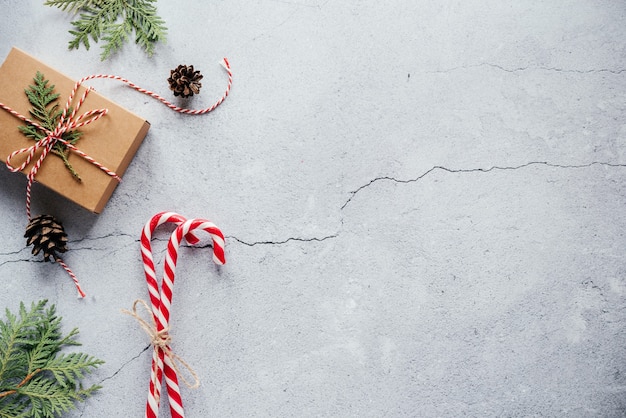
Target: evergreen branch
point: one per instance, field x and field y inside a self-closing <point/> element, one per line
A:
<point x="15" y="411"/>
<point x="45" y="399"/>
<point x="35" y="379"/>
<point x="113" y="21"/>
<point x="93" y="23"/>
<point x="83" y="30"/>
<point x="70" y="368"/>
<point x="46" y="113"/>
<point x="22" y="383"/>
<point x="46" y="346"/>
<point x="42" y="95"/>
<point x="74" y="5"/>
<point x="146" y="17"/>
<point x="117" y="34"/>
<point x="13" y="336"/>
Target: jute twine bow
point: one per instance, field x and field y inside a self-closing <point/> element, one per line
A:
<point x="71" y="122"/>
<point x="164" y="362"/>
<point x="161" y="341"/>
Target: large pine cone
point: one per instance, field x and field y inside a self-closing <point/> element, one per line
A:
<point x="184" y="81"/>
<point x="47" y="234"/>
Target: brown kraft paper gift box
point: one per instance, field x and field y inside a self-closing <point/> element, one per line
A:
<point x="112" y="140"/>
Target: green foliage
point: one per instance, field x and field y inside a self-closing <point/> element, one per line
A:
<point x="113" y="21"/>
<point x="46" y="112"/>
<point x="35" y="379"/>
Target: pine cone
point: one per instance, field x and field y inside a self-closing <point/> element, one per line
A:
<point x="184" y="81"/>
<point x="47" y="234"/>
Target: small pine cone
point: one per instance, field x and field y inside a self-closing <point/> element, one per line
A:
<point x="47" y="234"/>
<point x="184" y="81"/>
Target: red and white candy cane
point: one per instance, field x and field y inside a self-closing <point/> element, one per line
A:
<point x="163" y="360"/>
<point x="146" y="252"/>
<point x="71" y="122"/>
<point x="153" y="286"/>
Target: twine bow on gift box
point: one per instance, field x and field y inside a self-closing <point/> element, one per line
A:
<point x="69" y="123"/>
<point x="66" y="123"/>
<point x="164" y="361"/>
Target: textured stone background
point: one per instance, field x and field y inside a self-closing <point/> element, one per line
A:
<point x="423" y="203"/>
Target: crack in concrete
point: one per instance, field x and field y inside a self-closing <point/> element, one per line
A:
<point x="124" y="365"/>
<point x="82" y="411"/>
<point x="528" y="68"/>
<point x="111" y="235"/>
<point x="285" y="241"/>
<point x="473" y="170"/>
<point x="71" y="245"/>
<point x="12" y="252"/>
<point x="555" y="69"/>
<point x="19" y="260"/>
<point x="210" y="245"/>
<point x="352" y="194"/>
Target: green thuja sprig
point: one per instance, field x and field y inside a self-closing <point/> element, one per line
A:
<point x="35" y="379"/>
<point x="113" y="21"/>
<point x="46" y="112"/>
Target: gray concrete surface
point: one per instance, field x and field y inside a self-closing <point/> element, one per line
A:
<point x="423" y="203"/>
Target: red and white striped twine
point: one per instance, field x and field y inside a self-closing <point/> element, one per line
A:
<point x="161" y="300"/>
<point x="224" y="63"/>
<point x="81" y="294"/>
<point x="71" y="122"/>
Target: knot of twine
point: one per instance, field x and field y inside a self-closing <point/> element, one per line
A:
<point x="161" y="340"/>
<point x="67" y="123"/>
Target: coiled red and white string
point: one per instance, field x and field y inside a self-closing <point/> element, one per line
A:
<point x="224" y="63"/>
<point x="161" y="300"/>
<point x="71" y="122"/>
